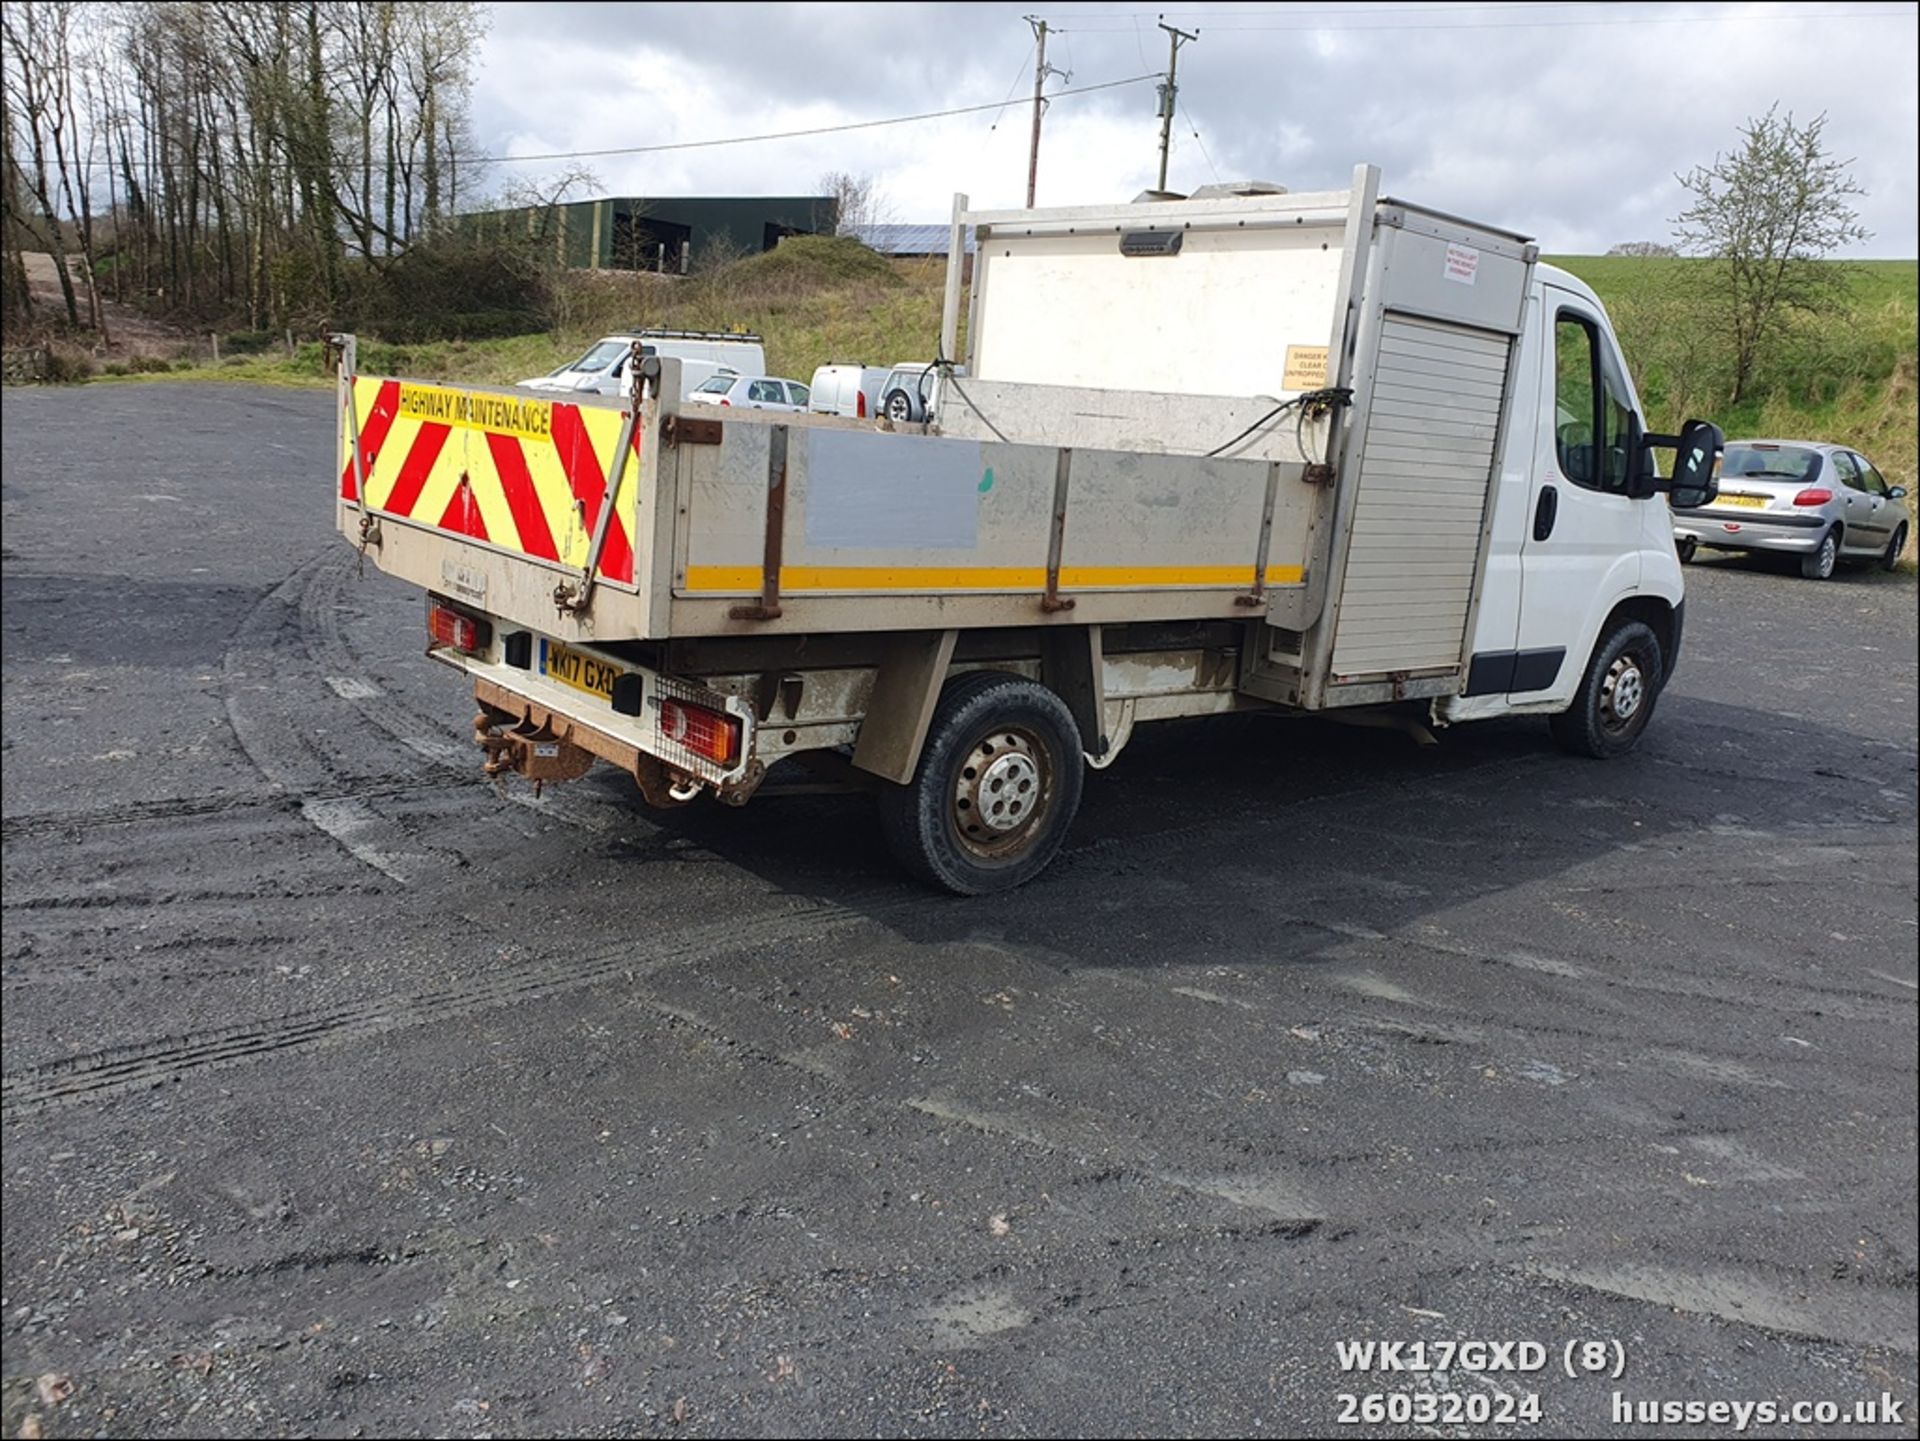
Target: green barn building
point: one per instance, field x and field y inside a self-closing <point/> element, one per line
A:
<point x="658" y="233"/>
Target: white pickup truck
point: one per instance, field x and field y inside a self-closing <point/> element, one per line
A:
<point x="1312" y="452"/>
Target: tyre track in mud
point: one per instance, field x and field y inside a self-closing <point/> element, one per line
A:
<point x="118" y="1069"/>
<point x="300" y="616"/>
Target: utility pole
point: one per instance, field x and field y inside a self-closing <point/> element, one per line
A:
<point x="1040" y="72"/>
<point x="1167" y="91"/>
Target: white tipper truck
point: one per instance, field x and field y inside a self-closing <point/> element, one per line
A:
<point x="1312" y="452"/>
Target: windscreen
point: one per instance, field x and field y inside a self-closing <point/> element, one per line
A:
<point x="603" y="354"/>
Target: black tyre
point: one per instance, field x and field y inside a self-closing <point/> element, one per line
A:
<point x="899" y="407"/>
<point x="1617" y="694"/>
<point x="1687" y="548"/>
<point x="997" y="786"/>
<point x="1890" y="557"/>
<point x="1819" y="564"/>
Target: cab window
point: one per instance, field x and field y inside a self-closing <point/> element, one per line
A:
<point x="1593" y="422"/>
<point x="1844" y="469"/>
<point x="1870" y="477"/>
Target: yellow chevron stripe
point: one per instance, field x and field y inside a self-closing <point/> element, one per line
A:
<point x="467" y="452"/>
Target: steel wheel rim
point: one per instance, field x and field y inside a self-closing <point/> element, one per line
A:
<point x="1001" y="792"/>
<point x="1623" y="694"/>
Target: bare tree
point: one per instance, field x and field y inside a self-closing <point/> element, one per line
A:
<point x="858" y="203"/>
<point x="37" y="91"/>
<point x="265" y="158"/>
<point x="1770" y="214"/>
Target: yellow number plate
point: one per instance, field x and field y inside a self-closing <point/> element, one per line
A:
<point x="1745" y="502"/>
<point x="573" y="668"/>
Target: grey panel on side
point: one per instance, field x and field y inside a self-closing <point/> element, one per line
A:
<point x="871" y="491"/>
<point x="1424" y="473"/>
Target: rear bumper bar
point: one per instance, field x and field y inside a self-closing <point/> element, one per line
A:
<point x="1753" y="530"/>
<point x="535" y="725"/>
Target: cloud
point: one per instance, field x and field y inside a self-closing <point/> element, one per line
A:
<point x="1565" y="121"/>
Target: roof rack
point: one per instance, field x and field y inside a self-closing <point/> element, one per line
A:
<point x="654" y="332"/>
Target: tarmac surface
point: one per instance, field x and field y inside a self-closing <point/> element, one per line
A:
<point x="346" y="1096"/>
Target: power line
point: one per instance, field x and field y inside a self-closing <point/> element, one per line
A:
<point x="1322" y="25"/>
<point x="1018" y="76"/>
<point x="788" y="134"/>
<point x="353" y="164"/>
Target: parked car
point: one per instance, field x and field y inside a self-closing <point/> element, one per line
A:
<point x="912" y="392"/>
<point x="1824" y="503"/>
<point x="854" y="391"/>
<point x="702" y="355"/>
<point x="751" y="392"/>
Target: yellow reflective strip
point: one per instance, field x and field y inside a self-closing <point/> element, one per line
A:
<point x="473" y="410"/>
<point x="1137" y="577"/>
<point x="1016" y="578"/>
<point x="393" y="455"/>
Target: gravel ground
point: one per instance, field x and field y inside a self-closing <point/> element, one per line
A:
<point x="345" y="1096"/>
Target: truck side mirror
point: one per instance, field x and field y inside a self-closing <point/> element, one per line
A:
<point x="1696" y="470"/>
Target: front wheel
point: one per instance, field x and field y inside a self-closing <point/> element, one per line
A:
<point x="1617" y="693"/>
<point x="1890" y="558"/>
<point x="1819" y="564"/>
<point x="997" y="786"/>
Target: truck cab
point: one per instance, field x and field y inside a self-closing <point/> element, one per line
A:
<point x="1577" y="539"/>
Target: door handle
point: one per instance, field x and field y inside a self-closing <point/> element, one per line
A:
<point x="1545" y="512"/>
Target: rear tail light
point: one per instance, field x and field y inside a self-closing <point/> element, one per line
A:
<point x="725" y="401"/>
<point x="451" y="629"/>
<point x="708" y="733"/>
<point x="859" y="405"/>
<point x="1815" y="495"/>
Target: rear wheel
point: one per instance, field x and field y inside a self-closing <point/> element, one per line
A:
<point x="1687" y="548"/>
<point x="1890" y="557"/>
<point x="997" y="786"/>
<point x="1616" y="695"/>
<point x="1819" y="564"/>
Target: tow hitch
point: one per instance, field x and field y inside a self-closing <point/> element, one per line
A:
<point x="535" y="751"/>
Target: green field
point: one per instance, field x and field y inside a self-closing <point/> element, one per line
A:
<point x="1844" y="377"/>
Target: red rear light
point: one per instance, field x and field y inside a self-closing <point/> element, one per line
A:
<point x="1815" y="495"/>
<point x="708" y="733"/>
<point x="725" y="401"/>
<point x="860" y="405"/>
<point x="450" y="628"/>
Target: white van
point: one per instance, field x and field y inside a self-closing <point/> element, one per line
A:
<point x="703" y="354"/>
<point x="853" y="391"/>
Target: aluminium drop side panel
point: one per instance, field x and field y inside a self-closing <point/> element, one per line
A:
<point x="470" y="485"/>
<point x="901" y="531"/>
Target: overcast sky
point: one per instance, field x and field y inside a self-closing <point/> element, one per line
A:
<point x="1564" y="120"/>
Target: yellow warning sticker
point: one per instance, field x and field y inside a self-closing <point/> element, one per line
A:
<point x="509" y="414"/>
<point x="1306" y="368"/>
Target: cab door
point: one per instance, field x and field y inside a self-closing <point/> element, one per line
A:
<point x="1581" y="552"/>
